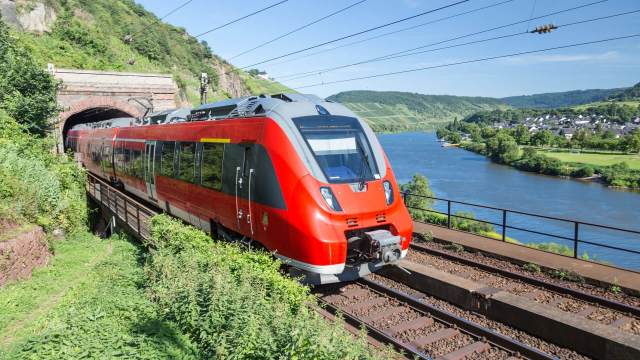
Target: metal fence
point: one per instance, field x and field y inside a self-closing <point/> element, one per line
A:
<point x="127" y="210"/>
<point x="578" y="229"/>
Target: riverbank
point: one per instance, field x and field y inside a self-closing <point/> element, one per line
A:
<point x="617" y="176"/>
<point x="466" y="176"/>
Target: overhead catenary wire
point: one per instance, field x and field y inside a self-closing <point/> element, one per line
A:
<point x="408" y="52"/>
<point x="351" y="35"/>
<point x="241" y="18"/>
<point x="470" y="61"/>
<point x="394" y="32"/>
<point x="297" y="29"/>
<point x="157" y="20"/>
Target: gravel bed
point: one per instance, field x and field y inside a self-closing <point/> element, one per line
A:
<point x="542" y="345"/>
<point x="536" y="293"/>
<point x="342" y="296"/>
<point x="506" y="265"/>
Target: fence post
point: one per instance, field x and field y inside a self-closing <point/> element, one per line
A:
<point x="448" y="214"/>
<point x="504" y="225"/>
<point x="575" y="239"/>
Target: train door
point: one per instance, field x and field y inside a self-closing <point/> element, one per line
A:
<point x="239" y="178"/>
<point x="149" y="168"/>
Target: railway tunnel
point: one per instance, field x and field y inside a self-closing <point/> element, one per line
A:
<point x="88" y="96"/>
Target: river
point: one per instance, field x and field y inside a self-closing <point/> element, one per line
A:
<point x="461" y="175"/>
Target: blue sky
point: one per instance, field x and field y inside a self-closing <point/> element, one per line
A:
<point x="608" y="65"/>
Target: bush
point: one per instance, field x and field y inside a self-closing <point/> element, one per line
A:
<point x="236" y="304"/>
<point x="582" y="172"/>
<point x="531" y="267"/>
<point x="456" y="248"/>
<point x="37" y="186"/>
<point x="419" y="200"/>
<point x="27" y="92"/>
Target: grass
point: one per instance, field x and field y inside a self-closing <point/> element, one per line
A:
<point x="89" y="303"/>
<point x="633" y="103"/>
<point x="596" y="159"/>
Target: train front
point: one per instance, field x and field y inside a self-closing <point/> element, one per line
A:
<point x="347" y="214"/>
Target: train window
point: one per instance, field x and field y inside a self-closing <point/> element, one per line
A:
<point x="340" y="147"/>
<point x="187" y="163"/>
<point x="126" y="166"/>
<point x="107" y="165"/>
<point x="211" y="168"/>
<point x="136" y="163"/>
<point x="166" y="160"/>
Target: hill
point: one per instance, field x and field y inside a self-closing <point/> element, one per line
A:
<point x="632" y="93"/>
<point x="396" y="111"/>
<point x="93" y="35"/>
<point x="560" y="99"/>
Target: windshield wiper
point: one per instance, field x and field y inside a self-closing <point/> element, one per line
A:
<point x="364" y="165"/>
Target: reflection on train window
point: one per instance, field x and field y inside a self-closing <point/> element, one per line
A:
<point x="186" y="169"/>
<point x="211" y="168"/>
<point x="136" y="163"/>
<point x="340" y="147"/>
<point x="166" y="162"/>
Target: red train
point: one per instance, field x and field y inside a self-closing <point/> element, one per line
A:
<point x="300" y="176"/>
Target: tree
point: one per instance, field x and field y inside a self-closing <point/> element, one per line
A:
<point x="521" y="134"/>
<point x="27" y="92"/>
<point x="454" y="138"/>
<point x="542" y="138"/>
<point x="632" y="142"/>
<point x="503" y="148"/>
<point x="420" y="197"/>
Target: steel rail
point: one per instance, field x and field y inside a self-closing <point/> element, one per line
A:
<point x="612" y="304"/>
<point x="410" y="352"/>
<point x="498" y="340"/>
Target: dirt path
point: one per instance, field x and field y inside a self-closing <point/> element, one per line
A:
<point x="51" y="302"/>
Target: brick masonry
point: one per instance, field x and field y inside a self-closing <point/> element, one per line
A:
<point x="22" y="254"/>
<point x="83" y="90"/>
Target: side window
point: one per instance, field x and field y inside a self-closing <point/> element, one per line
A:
<point x="211" y="168"/>
<point x="187" y="166"/>
<point x="166" y="160"/>
<point x="136" y="163"/>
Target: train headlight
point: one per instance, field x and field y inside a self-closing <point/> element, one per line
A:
<point x="388" y="192"/>
<point x="330" y="199"/>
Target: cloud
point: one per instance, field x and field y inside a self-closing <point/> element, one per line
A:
<point x="560" y="58"/>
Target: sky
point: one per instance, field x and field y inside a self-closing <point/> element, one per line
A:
<point x="605" y="65"/>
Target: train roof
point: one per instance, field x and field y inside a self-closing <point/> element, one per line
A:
<point x="278" y="105"/>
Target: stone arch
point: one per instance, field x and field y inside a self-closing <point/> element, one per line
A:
<point x="96" y="108"/>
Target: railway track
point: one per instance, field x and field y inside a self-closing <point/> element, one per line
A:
<point x="417" y="329"/>
<point x="620" y="315"/>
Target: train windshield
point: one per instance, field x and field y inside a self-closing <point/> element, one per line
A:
<point x="340" y="147"/>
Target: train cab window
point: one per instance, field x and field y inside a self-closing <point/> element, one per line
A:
<point x="340" y="147"/>
<point x="166" y="159"/>
<point x="211" y="168"/>
<point x="187" y="161"/>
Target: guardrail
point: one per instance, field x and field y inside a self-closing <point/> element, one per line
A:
<point x="575" y="225"/>
<point x="130" y="212"/>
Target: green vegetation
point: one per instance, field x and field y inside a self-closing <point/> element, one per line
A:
<point x="531" y="267"/>
<point x="91" y="35"/>
<point x="560" y="99"/>
<point x="236" y="304"/>
<point x="27" y="92"/>
<point x="613" y="111"/>
<point x="421" y="210"/>
<point x="593" y="158"/>
<point x="402" y="111"/>
<point x="36" y="186"/>
<point x="517" y="148"/>
<point x="90" y="303"/>
<point x="632" y="93"/>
